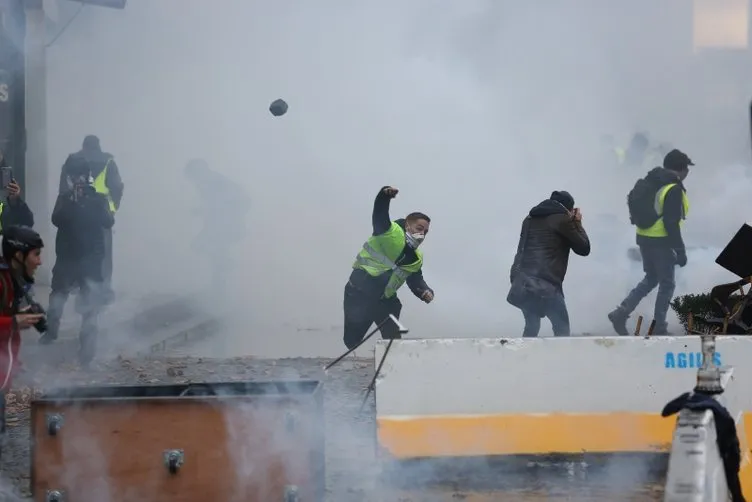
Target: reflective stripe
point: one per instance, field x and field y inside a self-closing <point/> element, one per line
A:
<point x="2" y="208"/>
<point x="398" y="274"/>
<point x="378" y="257"/>
<point x="381" y="260"/>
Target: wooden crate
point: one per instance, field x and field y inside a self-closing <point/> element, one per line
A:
<point x="219" y="442"/>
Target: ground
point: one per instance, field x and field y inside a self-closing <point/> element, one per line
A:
<point x="352" y="474"/>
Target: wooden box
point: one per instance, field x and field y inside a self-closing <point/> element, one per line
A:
<point x="218" y="442"/>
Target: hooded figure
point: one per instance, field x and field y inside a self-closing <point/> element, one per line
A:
<point x="106" y="181"/>
<point x="551" y="230"/>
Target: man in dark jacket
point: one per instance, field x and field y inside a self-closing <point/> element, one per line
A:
<point x="81" y="216"/>
<point x="14" y="211"/>
<point x="551" y="230"/>
<point x="661" y="245"/>
<point x="389" y="258"/>
<point x="106" y="181"/>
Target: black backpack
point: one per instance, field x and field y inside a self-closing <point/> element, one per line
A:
<point x="641" y="203"/>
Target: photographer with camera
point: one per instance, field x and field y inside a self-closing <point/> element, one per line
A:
<point x="13" y="210"/>
<point x="82" y="217"/>
<point x="21" y="256"/>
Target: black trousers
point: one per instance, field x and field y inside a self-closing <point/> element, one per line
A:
<point x="362" y="311"/>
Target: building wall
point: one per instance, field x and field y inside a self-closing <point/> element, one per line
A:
<point x="12" y="86"/>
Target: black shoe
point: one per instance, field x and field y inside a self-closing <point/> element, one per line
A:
<point x="618" y="320"/>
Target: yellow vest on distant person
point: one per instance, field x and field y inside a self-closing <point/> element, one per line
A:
<point x="651" y="158"/>
<point x="658" y="229"/>
<point x="100" y="185"/>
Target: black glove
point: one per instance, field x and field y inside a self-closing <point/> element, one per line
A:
<point x="681" y="256"/>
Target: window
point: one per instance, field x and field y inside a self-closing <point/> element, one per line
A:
<point x="720" y="24"/>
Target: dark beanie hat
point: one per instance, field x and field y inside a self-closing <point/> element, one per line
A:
<point x="677" y="160"/>
<point x="563" y="198"/>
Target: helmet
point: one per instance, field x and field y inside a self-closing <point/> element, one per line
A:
<point x="20" y="238"/>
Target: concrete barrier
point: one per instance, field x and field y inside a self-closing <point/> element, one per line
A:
<point x="695" y="469"/>
<point x="484" y="397"/>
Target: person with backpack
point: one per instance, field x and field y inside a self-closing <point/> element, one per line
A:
<point x="658" y="205"/>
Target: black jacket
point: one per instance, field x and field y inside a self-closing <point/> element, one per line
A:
<point x="673" y="209"/>
<point x="374" y="287"/>
<point x="16" y="211"/>
<point x="548" y="234"/>
<point x="96" y="161"/>
<point x="80" y="230"/>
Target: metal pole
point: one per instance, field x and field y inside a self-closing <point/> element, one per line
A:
<point x="372" y="385"/>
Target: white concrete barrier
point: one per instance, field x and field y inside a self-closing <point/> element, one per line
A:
<point x="467" y="397"/>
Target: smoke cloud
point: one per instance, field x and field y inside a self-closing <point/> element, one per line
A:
<point x="475" y="110"/>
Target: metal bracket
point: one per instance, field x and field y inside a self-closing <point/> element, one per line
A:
<point x="291" y="494"/>
<point x="55" y="496"/>
<point x="173" y="460"/>
<point x="55" y="422"/>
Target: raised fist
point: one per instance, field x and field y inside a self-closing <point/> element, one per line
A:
<point x="391" y="192"/>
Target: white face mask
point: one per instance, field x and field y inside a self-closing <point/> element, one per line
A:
<point x="414" y="239"/>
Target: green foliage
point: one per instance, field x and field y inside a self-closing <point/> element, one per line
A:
<point x="700" y="306"/>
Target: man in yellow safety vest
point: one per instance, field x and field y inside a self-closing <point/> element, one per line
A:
<point x="658" y="206"/>
<point x="388" y="259"/>
<point x="106" y="181"/>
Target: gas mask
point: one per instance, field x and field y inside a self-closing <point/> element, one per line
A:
<point x="414" y="239"/>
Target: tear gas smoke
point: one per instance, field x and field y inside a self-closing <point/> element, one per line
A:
<point x="475" y="110"/>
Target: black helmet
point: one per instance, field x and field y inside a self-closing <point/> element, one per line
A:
<point x="20" y="238"/>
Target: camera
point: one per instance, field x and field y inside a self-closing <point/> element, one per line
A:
<point x="35" y="308"/>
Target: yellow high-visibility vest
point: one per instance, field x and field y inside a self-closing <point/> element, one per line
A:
<point x="100" y="185"/>
<point x="379" y="254"/>
<point x="658" y="229"/>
